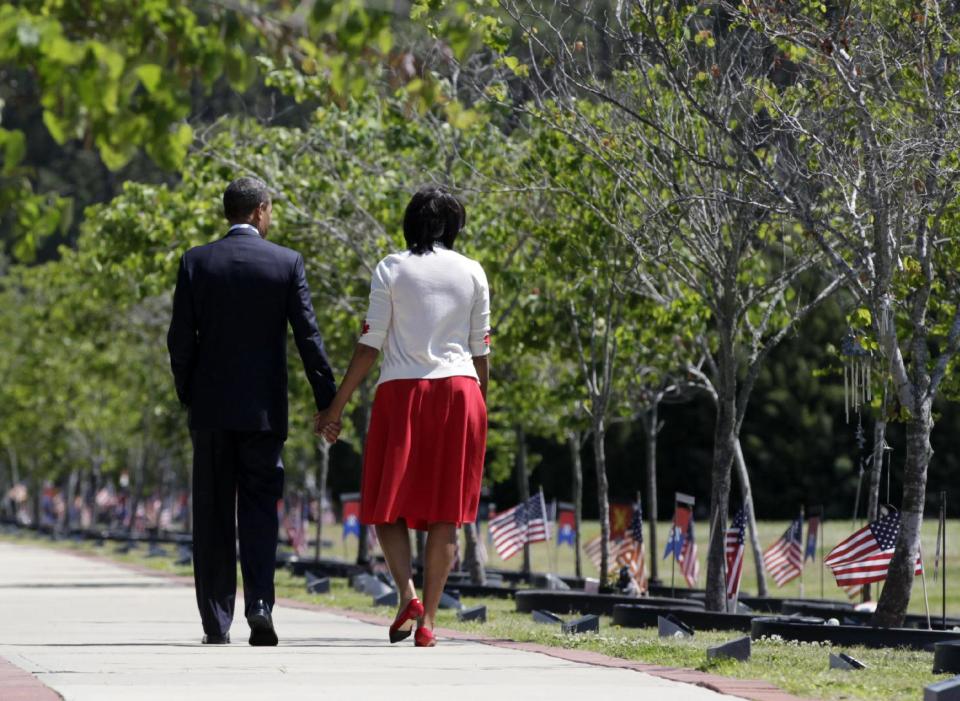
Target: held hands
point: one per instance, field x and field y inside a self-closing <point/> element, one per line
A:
<point x="327" y="424"/>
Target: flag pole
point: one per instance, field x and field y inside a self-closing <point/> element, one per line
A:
<point x="546" y="519"/>
<point x="673" y="562"/>
<point x="923" y="578"/>
<point x="943" y="557"/>
<point x="803" y="563"/>
<point x="820" y="531"/>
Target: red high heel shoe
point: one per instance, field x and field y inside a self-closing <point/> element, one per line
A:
<point x="403" y="624"/>
<point x="424" y="638"/>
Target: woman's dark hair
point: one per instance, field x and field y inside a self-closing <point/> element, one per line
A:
<point x="433" y="216"/>
<point x="242" y="196"/>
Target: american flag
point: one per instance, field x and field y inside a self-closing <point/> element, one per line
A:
<point x="734" y="550"/>
<point x="853" y="592"/>
<point x="865" y="556"/>
<point x="296" y="528"/>
<point x="689" y="564"/>
<point x="784" y="559"/>
<point x="630" y="549"/>
<point x="593" y="549"/>
<point x="813" y="537"/>
<point x="524" y="523"/>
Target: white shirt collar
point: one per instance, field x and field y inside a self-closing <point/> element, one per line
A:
<point x="245" y="227"/>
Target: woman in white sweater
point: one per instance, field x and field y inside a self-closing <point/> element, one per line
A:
<point x="423" y="462"/>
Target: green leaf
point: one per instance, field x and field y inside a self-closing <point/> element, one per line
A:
<point x="149" y="75"/>
<point x="180" y="142"/>
<point x="384" y="40"/>
<point x="14" y="149"/>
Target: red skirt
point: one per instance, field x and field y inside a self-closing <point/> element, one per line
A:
<point x="423" y="461"/>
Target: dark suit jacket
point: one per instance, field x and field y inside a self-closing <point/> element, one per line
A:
<point x="228" y="335"/>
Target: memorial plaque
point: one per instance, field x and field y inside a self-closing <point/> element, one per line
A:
<point x="671" y="627"/>
<point x="317" y="585"/>
<point x="584" y="624"/>
<point x="477" y="614"/>
<point x="738" y="649"/>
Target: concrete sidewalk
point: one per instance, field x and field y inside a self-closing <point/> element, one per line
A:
<point x="95" y="631"/>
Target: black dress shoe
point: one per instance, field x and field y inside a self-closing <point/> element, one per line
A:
<point x="216" y="639"/>
<point x="262" y="633"/>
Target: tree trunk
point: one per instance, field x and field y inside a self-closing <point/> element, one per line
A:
<point x="523" y="487"/>
<point x="876" y="466"/>
<point x="471" y="554"/>
<point x="652" y="429"/>
<point x="136" y="490"/>
<point x="747" y="494"/>
<point x="323" y="471"/>
<point x="892" y="607"/>
<point x="603" y="502"/>
<point x="72" y="481"/>
<point x="573" y="442"/>
<point x="724" y="449"/>
<point x="36" y="487"/>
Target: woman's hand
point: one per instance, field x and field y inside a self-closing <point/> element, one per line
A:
<point x="327" y="424"/>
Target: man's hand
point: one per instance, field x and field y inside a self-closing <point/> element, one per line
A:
<point x="327" y="424"/>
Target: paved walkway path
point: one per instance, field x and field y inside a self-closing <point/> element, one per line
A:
<point x="95" y="631"/>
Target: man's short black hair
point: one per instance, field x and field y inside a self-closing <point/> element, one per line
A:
<point x="433" y="216"/>
<point x="242" y="196"/>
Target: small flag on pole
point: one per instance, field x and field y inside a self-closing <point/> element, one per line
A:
<point x="566" y="524"/>
<point x="813" y="538"/>
<point x="689" y="564"/>
<point x="784" y="559"/>
<point x="682" y="543"/>
<point x="351" y="514"/>
<point x="524" y="523"/>
<point x="629" y="552"/>
<point x="734" y="546"/>
<point x="681" y="518"/>
<point x="295" y="527"/>
<point x="864" y="557"/>
<point x="620" y="515"/>
<point x="592" y="549"/>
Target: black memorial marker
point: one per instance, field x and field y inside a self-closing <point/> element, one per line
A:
<point x="359" y="582"/>
<point x="946" y="658"/>
<point x="449" y="601"/>
<point x="473" y="613"/>
<point x="184" y="556"/>
<point x="317" y="585"/>
<point x="388" y="598"/>
<point x="947" y="690"/>
<point x="584" y="624"/>
<point x="545" y="617"/>
<point x="738" y="649"/>
<point x="845" y="662"/>
<point x="670" y="626"/>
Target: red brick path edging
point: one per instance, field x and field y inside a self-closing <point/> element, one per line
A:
<point x="19" y="685"/>
<point x="751" y="689"/>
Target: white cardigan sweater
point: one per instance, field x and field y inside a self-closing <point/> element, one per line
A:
<point x="429" y="313"/>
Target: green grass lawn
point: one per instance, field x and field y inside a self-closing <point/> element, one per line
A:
<point x="798" y="669"/>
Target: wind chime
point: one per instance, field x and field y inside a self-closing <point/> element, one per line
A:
<point x="857" y="374"/>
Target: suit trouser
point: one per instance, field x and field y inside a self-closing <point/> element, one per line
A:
<point x="237" y="480"/>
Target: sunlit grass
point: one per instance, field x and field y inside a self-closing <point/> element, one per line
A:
<point x="898" y="675"/>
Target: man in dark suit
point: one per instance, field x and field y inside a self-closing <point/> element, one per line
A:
<point x="227" y="344"/>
